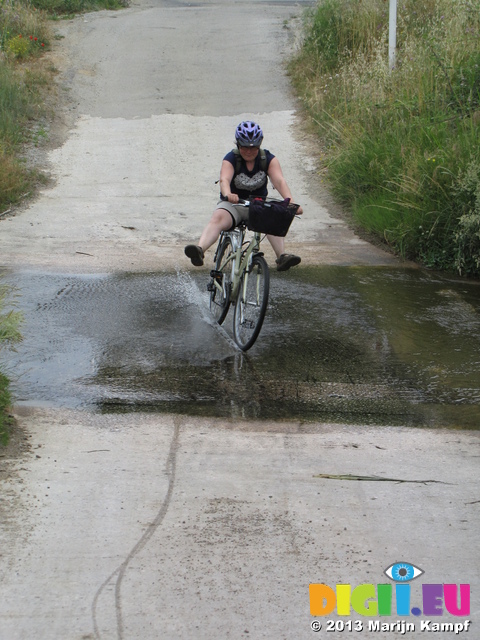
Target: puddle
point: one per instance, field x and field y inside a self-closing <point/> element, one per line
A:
<point x="348" y="345"/>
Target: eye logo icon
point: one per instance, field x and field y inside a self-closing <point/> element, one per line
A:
<point x="437" y="599"/>
<point x="403" y="572"/>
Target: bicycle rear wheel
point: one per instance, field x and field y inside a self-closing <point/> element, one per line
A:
<point x="251" y="304"/>
<point x="221" y="282"/>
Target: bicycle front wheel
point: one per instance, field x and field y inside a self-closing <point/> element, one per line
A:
<point x="222" y="282"/>
<point x="251" y="304"/>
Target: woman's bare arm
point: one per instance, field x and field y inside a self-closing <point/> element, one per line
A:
<point x="276" y="176"/>
<point x="226" y="175"/>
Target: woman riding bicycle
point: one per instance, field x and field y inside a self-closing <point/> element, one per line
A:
<point x="244" y="173"/>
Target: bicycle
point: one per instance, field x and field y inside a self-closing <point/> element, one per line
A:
<point x="242" y="278"/>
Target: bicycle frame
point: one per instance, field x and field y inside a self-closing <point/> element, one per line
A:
<point x="240" y="277"/>
<point x="240" y="258"/>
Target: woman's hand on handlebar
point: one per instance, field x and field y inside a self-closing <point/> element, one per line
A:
<point x="233" y="198"/>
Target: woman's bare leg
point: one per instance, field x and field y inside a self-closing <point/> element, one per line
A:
<point x="284" y="261"/>
<point x="221" y="220"/>
<point x="278" y="244"/>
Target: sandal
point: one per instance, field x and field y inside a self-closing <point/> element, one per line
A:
<point x="195" y="253"/>
<point x="287" y="260"/>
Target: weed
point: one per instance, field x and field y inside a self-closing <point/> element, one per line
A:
<point x="5" y="419"/>
<point x="396" y="144"/>
<point x="18" y="47"/>
<point x="10" y="322"/>
<point x="14" y="180"/>
<point x="74" y="7"/>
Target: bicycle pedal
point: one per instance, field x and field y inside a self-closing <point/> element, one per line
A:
<point x="216" y="275"/>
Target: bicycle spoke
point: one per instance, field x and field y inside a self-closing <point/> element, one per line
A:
<point x="220" y="284"/>
<point x="252" y="303"/>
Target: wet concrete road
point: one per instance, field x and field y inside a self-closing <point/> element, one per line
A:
<point x="367" y="345"/>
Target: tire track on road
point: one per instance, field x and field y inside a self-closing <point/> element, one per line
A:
<point x="121" y="570"/>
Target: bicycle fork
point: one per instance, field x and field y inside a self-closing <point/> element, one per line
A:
<point x="218" y="281"/>
<point x="243" y="297"/>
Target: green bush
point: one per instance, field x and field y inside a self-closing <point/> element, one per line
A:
<point x="467" y="234"/>
<point x="397" y="143"/>
<point x="18" y="46"/>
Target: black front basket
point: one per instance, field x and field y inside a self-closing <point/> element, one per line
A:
<point x="272" y="216"/>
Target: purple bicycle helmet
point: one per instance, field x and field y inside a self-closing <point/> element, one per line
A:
<point x="248" y="134"/>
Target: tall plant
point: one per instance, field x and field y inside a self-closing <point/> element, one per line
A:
<point x="396" y="144"/>
<point x="10" y="322"/>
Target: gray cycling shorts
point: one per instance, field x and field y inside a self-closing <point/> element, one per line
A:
<point x="238" y="212"/>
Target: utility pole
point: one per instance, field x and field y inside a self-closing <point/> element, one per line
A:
<point x="392" y="34"/>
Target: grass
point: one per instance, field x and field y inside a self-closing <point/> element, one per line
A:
<point x="6" y="420"/>
<point x="10" y="322"/>
<point x="400" y="148"/>
<point x="24" y="34"/>
<point x="58" y="8"/>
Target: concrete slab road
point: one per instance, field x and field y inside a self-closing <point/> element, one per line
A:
<point x="146" y="526"/>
